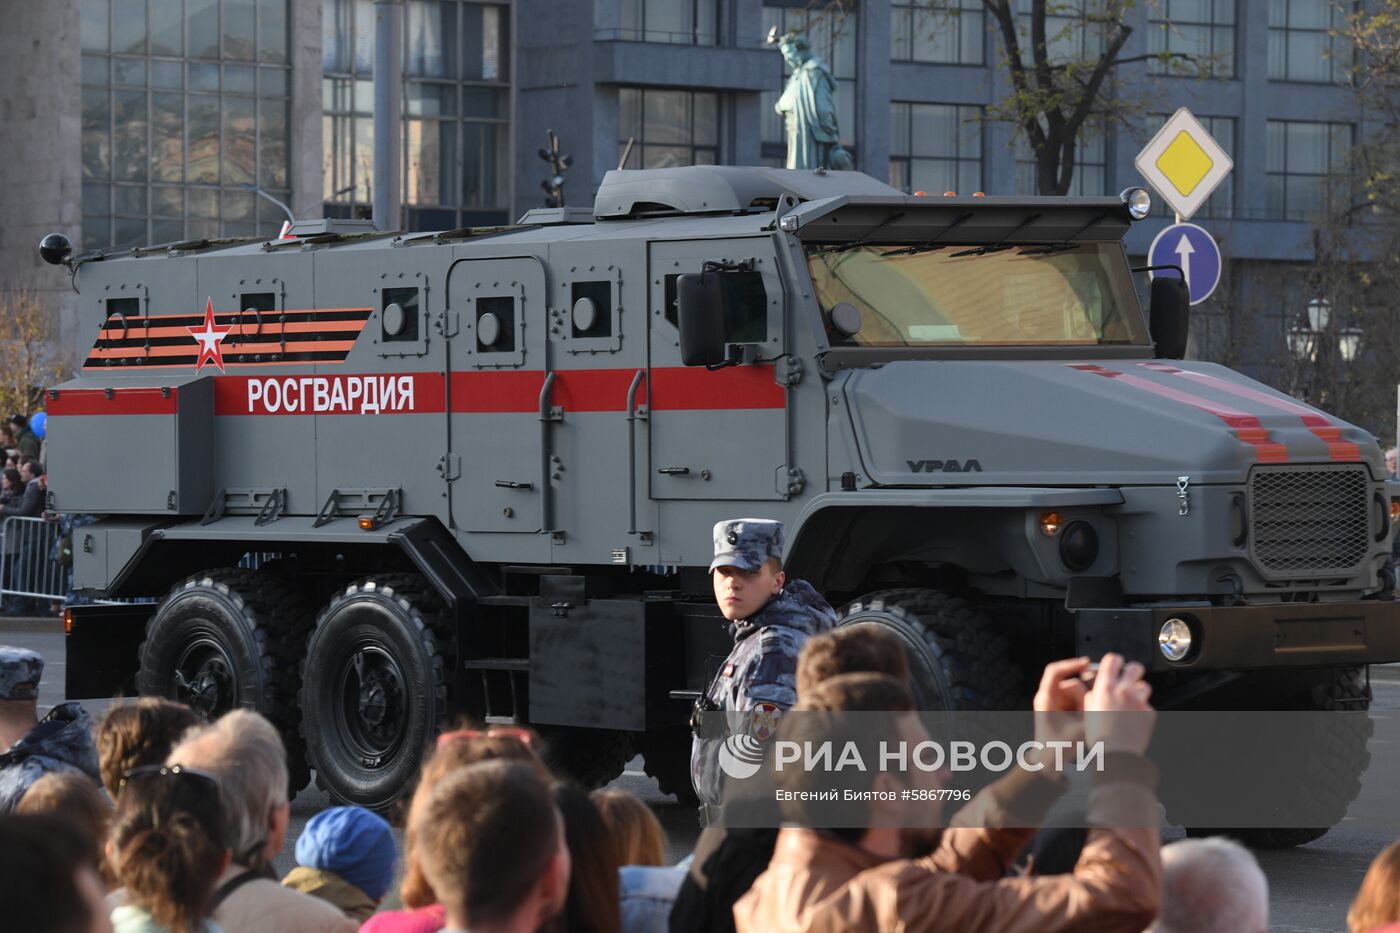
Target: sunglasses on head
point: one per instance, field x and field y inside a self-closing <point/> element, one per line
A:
<point x="522" y="736"/>
<point x="175" y="771"/>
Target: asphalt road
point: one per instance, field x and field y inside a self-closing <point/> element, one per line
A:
<point x="1310" y="887"/>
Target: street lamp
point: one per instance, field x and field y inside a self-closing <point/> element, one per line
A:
<point x="1349" y="343"/>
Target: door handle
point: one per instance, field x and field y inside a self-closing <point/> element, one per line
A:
<point x="674" y="471"/>
<point x="510" y="484"/>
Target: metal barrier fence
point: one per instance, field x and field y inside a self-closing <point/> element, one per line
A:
<point x="30" y="567"/>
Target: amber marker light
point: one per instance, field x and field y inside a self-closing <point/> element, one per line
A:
<point x="1394" y="511"/>
<point x="68" y="621"/>
<point x="1051" y="523"/>
<point x="366" y="522"/>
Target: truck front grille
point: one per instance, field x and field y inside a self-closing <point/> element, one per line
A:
<point x="1309" y="521"/>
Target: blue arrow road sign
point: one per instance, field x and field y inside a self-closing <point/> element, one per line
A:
<point x="1194" y="250"/>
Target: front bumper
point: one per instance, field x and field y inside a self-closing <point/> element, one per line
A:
<point x="1249" y="637"/>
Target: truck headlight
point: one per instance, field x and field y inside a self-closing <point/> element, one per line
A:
<point x="1138" y="202"/>
<point x="1079" y="546"/>
<point x="1174" y="639"/>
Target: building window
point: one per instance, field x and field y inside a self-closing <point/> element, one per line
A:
<point x="1090" y="164"/>
<point x="1204" y="30"/>
<point x="947" y="34"/>
<point x="456" y="111"/>
<point x="667" y="128"/>
<point x="935" y="148"/>
<point x="1303" y="45"/>
<point x="1303" y="162"/>
<point x="184" y="113"/>
<point x="1075" y="30"/>
<point x="833" y="32"/>
<point x="678" y="22"/>
<point x="1221" y="203"/>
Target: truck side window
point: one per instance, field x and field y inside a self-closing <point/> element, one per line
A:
<point x="503" y="307"/>
<point x="257" y="301"/>
<point x="406" y="298"/>
<point x="600" y="293"/>
<point x="746" y="307"/>
<point x="672" y="311"/>
<point x="126" y="307"/>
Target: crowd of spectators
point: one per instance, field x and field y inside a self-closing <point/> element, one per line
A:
<point x="180" y="832"/>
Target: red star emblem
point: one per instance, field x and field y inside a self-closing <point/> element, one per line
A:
<point x="209" y="337"/>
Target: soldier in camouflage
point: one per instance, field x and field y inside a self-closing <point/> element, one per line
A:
<point x="59" y="743"/>
<point x="770" y="618"/>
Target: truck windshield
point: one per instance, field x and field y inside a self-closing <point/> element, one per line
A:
<point x="911" y="297"/>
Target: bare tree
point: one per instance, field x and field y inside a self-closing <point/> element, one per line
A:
<point x="1061" y="56"/>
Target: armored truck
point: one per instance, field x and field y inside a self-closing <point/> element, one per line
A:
<point x="378" y="481"/>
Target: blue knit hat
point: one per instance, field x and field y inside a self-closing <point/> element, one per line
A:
<point x="355" y="844"/>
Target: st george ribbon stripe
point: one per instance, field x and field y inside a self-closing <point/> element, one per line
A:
<point x="1246" y="426"/>
<point x="1317" y="423"/>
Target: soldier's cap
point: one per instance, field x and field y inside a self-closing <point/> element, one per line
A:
<point x="747" y="543"/>
<point x="20" y="672"/>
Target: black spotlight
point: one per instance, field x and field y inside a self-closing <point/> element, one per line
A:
<point x="55" y="249"/>
<point x="1079" y="546"/>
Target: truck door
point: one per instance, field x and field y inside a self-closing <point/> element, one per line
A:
<point x="720" y="434"/>
<point x="497" y="470"/>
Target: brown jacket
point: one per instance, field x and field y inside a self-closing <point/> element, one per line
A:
<point x="817" y="883"/>
<point x="266" y="906"/>
<point x="332" y="889"/>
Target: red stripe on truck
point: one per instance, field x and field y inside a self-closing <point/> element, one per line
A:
<point x="118" y="402"/>
<point x="1246" y="426"/>
<point x="1317" y="423"/>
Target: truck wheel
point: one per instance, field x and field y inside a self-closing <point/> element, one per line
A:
<point x="592" y="757"/>
<point x="957" y="659"/>
<point x="228" y="639"/>
<point x="666" y="757"/>
<point x="1331" y="779"/>
<point x="374" y="688"/>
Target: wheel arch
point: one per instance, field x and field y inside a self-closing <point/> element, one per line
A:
<point x="841" y="540"/>
<point x="168" y="553"/>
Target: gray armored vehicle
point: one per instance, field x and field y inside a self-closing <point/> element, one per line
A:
<point x="476" y="470"/>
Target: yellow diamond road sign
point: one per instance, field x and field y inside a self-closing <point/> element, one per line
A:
<point x="1183" y="163"/>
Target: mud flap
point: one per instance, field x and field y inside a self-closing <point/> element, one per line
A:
<point x="102" y="648"/>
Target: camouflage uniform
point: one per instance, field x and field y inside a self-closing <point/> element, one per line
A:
<point x="60" y="742"/>
<point x="762" y="667"/>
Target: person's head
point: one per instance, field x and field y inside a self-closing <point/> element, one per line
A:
<point x="848" y="650"/>
<point x="747" y="567"/>
<point x="453" y="751"/>
<point x="77" y="800"/>
<point x="20" y="673"/>
<point x="30" y="469"/>
<point x="1378" y="901"/>
<point x="592" y="903"/>
<point x="1392" y="461"/>
<point x="17" y="424"/>
<point x="796" y="48"/>
<point x="636" y="832"/>
<point x="244" y="753"/>
<point x="873" y="712"/>
<point x="10" y="480"/>
<point x="492" y="845"/>
<point x="353" y="843"/>
<point x="139" y="733"/>
<point x="167" y="842"/>
<point x="1212" y="886"/>
<point x="47" y="882"/>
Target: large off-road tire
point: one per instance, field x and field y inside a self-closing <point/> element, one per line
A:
<point x="666" y="758"/>
<point x="592" y="757"/>
<point x="228" y="639"/>
<point x="374" y="688"/>
<point x="958" y="660"/>
<point x="1329" y="772"/>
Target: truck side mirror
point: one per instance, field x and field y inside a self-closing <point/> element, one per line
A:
<point x="1170" y="317"/>
<point x="700" y="310"/>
